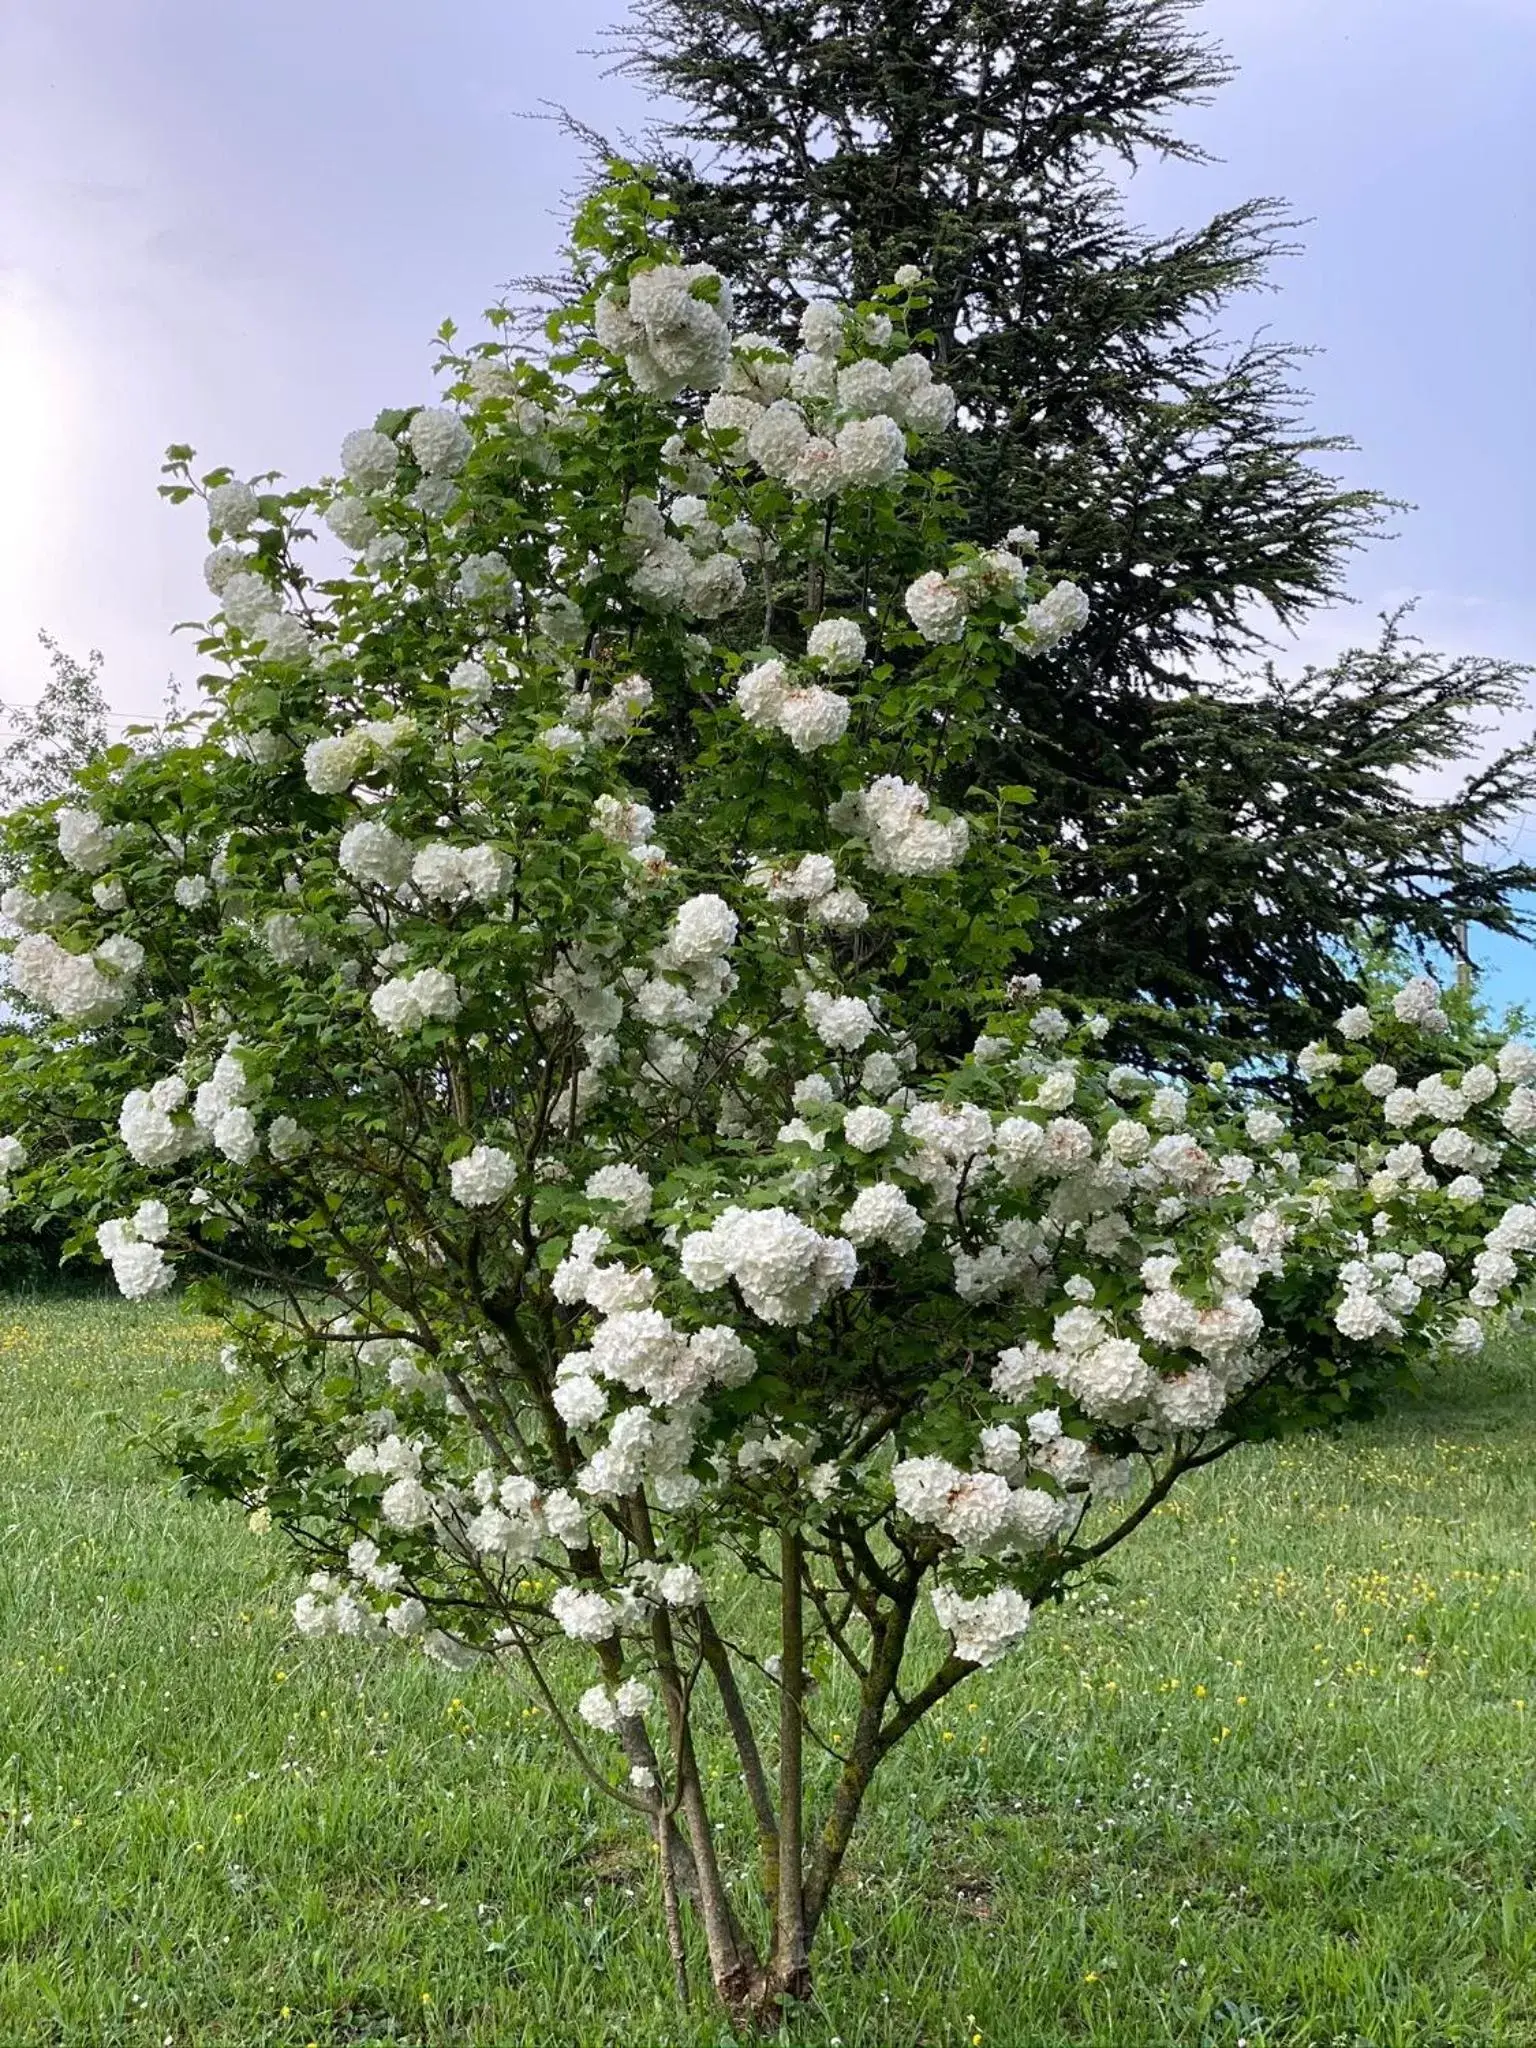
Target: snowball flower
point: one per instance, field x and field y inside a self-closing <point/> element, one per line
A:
<point x="585" y="1617"/>
<point x="867" y="1129"/>
<point x="776" y="438"/>
<point x="892" y="817"/>
<point x="369" y="459"/>
<point x="579" y="1400"/>
<point x="1418" y="1002"/>
<point x="627" y="1188"/>
<point x="439" y="439"/>
<point x="1110" y="1381"/>
<point x="681" y="1586"/>
<point x="841" y="1022"/>
<point x="872" y="451"/>
<point x="1193" y="1401"/>
<point x="482" y="1177"/>
<point x="232" y="509"/>
<point x="812" y="717"/>
<point x="458" y="874"/>
<point x="865" y="387"/>
<point x="1355" y="1023"/>
<point x="140" y="1268"/>
<point x="984" y="1630"/>
<point x="598" y="1710"/>
<point x="1315" y="1062"/>
<point x="1361" y="1316"/>
<point x="624" y="824"/>
<point x="822" y="326"/>
<point x="84" y="841"/>
<point x="703" y="930"/>
<point x="1264" y="1126"/>
<point x="761" y="692"/>
<point x="411" y="1000"/>
<point x="372" y="853"/>
<point x="786" y="1271"/>
<point x="883" y="1214"/>
<point x="1063" y="611"/>
<point x="672" y="325"/>
<point x="78" y="988"/>
<point x="236" y="1137"/>
<point x="351" y="521"/>
<point x="286" y="1140"/>
<point x="333" y="764"/>
<point x="1515" y="1230"/>
<point x="936" y="607"/>
<point x="838" y="644"/>
<point x="484" y="578"/>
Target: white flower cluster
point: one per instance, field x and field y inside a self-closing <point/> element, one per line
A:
<point x="482" y="1176"/>
<point x="607" y="1710"/>
<point x="85" y="843"/>
<point x="785" y="1270"/>
<point x="251" y="605"/>
<point x="150" y="1128"/>
<point x="1059" y="615"/>
<point x="984" y="1630"/>
<point x="981" y="1512"/>
<point x="821" y="427"/>
<point x="808" y="715"/>
<point x="883" y="1214"/>
<point x="940" y="602"/>
<point x="131" y="1246"/>
<point x="1417" y="1002"/>
<point x="13" y="1157"/>
<point x="672" y="325"/>
<point x="408" y="1001"/>
<point x="697" y="575"/>
<point x="627" y="1188"/>
<point x="78" y="988"/>
<point x="333" y="764"/>
<point x="811" y="883"/>
<point x="891" y="818"/>
<point x="460" y="874"/>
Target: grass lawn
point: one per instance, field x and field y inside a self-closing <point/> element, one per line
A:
<point x="1273" y="1787"/>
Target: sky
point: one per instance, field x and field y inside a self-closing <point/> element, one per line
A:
<point x="238" y="226"/>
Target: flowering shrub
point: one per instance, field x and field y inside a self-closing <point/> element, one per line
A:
<point x="601" y="1077"/>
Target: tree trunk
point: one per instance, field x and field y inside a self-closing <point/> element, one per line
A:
<point x="789" y="1971"/>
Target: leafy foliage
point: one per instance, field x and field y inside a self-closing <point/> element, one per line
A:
<point x="817" y="145"/>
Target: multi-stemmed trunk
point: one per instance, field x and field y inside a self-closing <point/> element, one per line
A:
<point x="796" y="1875"/>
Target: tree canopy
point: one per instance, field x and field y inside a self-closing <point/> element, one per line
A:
<point x="820" y="144"/>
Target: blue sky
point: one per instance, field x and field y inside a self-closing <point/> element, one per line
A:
<point x="238" y="226"/>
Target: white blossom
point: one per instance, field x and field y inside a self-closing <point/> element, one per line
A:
<point x="482" y="1176"/>
<point x="838" y="645"/>
<point x="986" y="1629"/>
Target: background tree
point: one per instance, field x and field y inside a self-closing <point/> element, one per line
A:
<point x="50" y="741"/>
<point x="820" y="144"/>
<point x="47" y="745"/>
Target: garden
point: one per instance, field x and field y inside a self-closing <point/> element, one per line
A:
<point x="818" y="1269"/>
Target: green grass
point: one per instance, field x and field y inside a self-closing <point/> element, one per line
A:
<point x="1274" y="1786"/>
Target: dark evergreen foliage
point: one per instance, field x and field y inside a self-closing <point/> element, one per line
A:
<point x="1215" y="834"/>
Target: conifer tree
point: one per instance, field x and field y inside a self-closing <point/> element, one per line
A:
<point x="1210" y="841"/>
